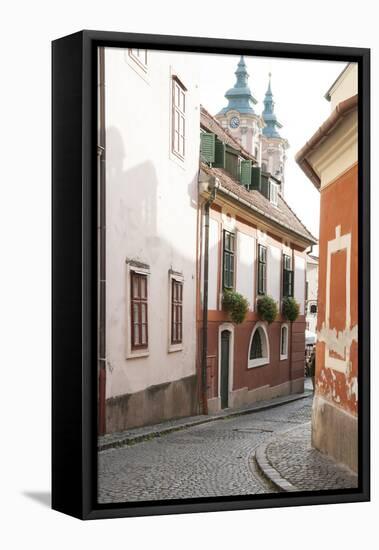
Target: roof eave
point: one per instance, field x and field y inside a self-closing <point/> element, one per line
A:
<point x="302" y="157"/>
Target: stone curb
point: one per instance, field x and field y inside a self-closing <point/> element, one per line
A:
<point x="268" y="471"/>
<point x="138" y="438"/>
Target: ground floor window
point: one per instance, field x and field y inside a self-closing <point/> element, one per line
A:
<point x="259" y="354"/>
<point x="284" y="342"/>
<point x="176" y="285"/>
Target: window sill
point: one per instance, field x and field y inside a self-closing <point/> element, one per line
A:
<point x="283" y="357"/>
<point x="258" y="363"/>
<point x="136" y="354"/>
<point x="175" y="347"/>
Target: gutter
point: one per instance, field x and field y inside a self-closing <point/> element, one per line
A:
<point x="212" y="186"/>
<point x="264" y="215"/>
<point x="343" y="109"/>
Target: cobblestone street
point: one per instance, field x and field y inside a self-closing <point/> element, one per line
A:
<point x="213" y="459"/>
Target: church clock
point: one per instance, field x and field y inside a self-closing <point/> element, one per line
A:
<point x="234" y="122"/>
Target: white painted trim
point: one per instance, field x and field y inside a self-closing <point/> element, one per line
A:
<point x="261" y="361"/>
<point x="230" y="328"/>
<point x="176" y="277"/>
<point x="341" y="242"/>
<point x="285" y="355"/>
<point x="130" y="354"/>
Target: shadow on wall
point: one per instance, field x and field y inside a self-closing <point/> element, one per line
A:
<point x="146" y="223"/>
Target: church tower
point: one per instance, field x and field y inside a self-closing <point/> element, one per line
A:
<point x="239" y="117"/>
<point x="273" y="145"/>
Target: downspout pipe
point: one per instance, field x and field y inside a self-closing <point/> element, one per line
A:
<point x="213" y="186"/>
<point x="101" y="151"/>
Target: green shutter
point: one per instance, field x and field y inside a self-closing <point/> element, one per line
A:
<point x="207" y="147"/>
<point x="246" y="167"/>
<point x="231" y="162"/>
<point x="219" y="161"/>
<point x="256" y="178"/>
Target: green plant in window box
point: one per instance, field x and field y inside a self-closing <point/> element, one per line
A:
<point x="236" y="305"/>
<point x="267" y="309"/>
<point x="290" y="309"/>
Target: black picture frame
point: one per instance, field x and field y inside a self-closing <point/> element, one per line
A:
<point x="74" y="271"/>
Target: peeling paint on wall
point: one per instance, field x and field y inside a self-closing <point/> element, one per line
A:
<point x="337" y="341"/>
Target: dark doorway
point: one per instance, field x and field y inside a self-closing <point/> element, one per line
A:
<point x="224" y="374"/>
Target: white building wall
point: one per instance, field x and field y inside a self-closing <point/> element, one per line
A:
<point x="214" y="239"/>
<point x="151" y="212"/>
<point x="245" y="267"/>
<point x="273" y="272"/>
<point x="299" y="274"/>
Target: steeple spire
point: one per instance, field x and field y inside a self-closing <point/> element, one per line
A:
<point x="240" y="97"/>
<point x="272" y="123"/>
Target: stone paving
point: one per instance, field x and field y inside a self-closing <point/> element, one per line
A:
<point x="207" y="460"/>
<point x="293" y="458"/>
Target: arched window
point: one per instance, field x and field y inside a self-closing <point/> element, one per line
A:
<point x="284" y="342"/>
<point x="259" y="354"/>
<point x="313" y="308"/>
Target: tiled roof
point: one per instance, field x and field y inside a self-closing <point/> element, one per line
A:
<point x="281" y="214"/>
<point x="209" y="123"/>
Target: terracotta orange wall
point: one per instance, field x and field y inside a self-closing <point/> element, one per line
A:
<point x="339" y="206"/>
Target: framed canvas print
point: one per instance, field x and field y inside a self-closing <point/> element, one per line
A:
<point x="210" y="274"/>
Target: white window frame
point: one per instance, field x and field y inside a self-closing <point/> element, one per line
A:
<point x="285" y="355"/>
<point x="135" y="268"/>
<point x="173" y="276"/>
<point x="134" y="53"/>
<point x="274" y="195"/>
<point x="176" y="83"/>
<point x="261" y="361"/>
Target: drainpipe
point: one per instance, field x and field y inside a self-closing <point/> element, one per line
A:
<point x="212" y="185"/>
<point x="101" y="249"/>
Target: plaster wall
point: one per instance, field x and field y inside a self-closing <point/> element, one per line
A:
<point x="151" y="213"/>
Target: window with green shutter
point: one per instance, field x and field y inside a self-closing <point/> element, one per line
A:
<point x="246" y="166"/>
<point x="287" y="276"/>
<point x="228" y="260"/>
<point x="207" y="147"/>
<point x="262" y="269"/>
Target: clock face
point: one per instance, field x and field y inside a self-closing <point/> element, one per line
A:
<point x="234" y="122"/>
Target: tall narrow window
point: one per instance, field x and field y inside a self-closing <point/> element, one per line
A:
<point x="138" y="291"/>
<point x="287" y="276"/>
<point x="228" y="260"/>
<point x="176" y="311"/>
<point x="284" y="342"/>
<point x="262" y="269"/>
<point x="178" y="118"/>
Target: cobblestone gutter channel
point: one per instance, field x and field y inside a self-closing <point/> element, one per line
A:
<point x="290" y="462"/>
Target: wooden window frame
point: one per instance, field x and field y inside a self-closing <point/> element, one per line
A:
<point x="261" y="288"/>
<point x="231" y="254"/>
<point x="285" y="293"/>
<point x="174" y="343"/>
<point x="133" y="351"/>
<point x="178" y="111"/>
<point x="141" y="302"/>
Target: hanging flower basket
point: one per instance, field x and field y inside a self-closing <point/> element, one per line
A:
<point x="267" y="309"/>
<point x="290" y="309"/>
<point x="236" y="305"/>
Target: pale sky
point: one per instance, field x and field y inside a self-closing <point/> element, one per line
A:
<point x="298" y="88"/>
